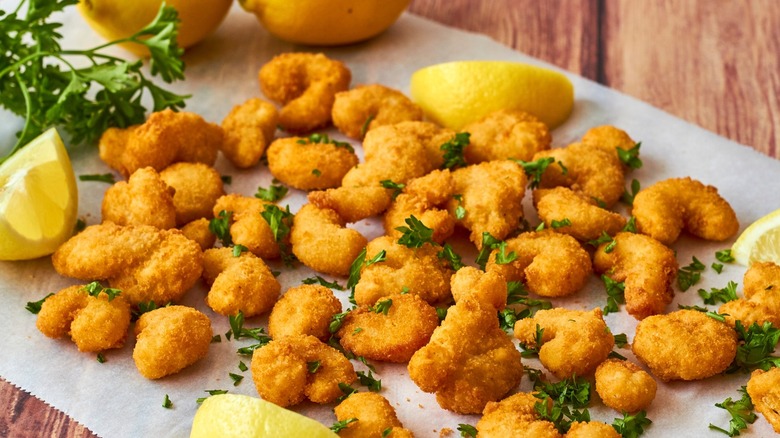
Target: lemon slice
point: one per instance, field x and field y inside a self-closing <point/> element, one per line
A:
<point x="38" y="199"/>
<point x="760" y="242"/>
<point x="235" y="415"/>
<point x="456" y="93"/>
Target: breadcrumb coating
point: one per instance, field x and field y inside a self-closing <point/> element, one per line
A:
<point x="506" y="134"/>
<point x="304" y="310"/>
<point x="353" y="204"/>
<point x="424" y="198"/>
<point x="241" y="283"/>
<point x="197" y="186"/>
<point x="145" y="199"/>
<point x="305" y="165"/>
<point x="586" y="220"/>
<point x="374" y="416"/>
<point x="321" y="240"/>
<point x="764" y="390"/>
<point x="249" y="128"/>
<point x="365" y="107"/>
<point x="247" y="225"/>
<point x="624" y="386"/>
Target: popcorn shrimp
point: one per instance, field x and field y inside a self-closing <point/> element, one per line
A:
<point x="517" y="417"/>
<point x="608" y="138"/>
<point x="304" y="310"/>
<point x="420" y="198"/>
<point x="366" y="107"/>
<point x="198" y="231"/>
<point x="375" y="417"/>
<point x="249" y="129"/>
<point x="624" y="386"/>
<point x="575" y="214"/>
<point x="242" y="283"/>
<point x="145" y="199"/>
<point x="761" y="302"/>
<point x="247" y="225"/>
<point x="321" y="241"/>
<point x="667" y="207"/>
<point x="306" y="84"/>
<point x="197" y="186"/>
<point x="764" y="390"/>
<point x="506" y="134"/>
<point x="353" y="203"/>
<point x="310" y="165"/>
<point x="486" y="287"/>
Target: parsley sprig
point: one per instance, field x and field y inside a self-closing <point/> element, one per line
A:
<point x="715" y="295"/>
<point x="615" y="294"/>
<point x="689" y="275"/>
<point x="630" y="157"/>
<point x="415" y="234"/>
<point x="757" y="343"/>
<point x="631" y="426"/>
<point x="453" y="151"/>
<point x="535" y="169"/>
<point x="95" y="288"/>
<point x="280" y="222"/>
<point x="741" y="412"/>
<point x="273" y="193"/>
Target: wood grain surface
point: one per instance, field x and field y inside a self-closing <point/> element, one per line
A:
<point x="715" y="63"/>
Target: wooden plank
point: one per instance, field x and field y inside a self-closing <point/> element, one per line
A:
<point x="715" y="63"/>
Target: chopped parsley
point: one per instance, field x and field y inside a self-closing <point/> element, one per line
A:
<point x="630" y="226"/>
<point x="336" y="321"/>
<point x="628" y="196"/>
<point x="535" y="169"/>
<point x="319" y="280"/>
<point x="688" y="276"/>
<point x="313" y="367"/>
<point x="416" y="234"/>
<point x="346" y="390"/>
<point x="449" y="254"/>
<point x="717" y="267"/>
<point x="242" y="366"/>
<point x="724" y="256"/>
<point x="467" y="430"/>
<point x="273" y="193"/>
<point x="368" y="380"/>
<point x="238" y="249"/>
<point x="167" y="403"/>
<point x="604" y="238"/>
<point x="741" y="412"/>
<point x="453" y="151"/>
<point x="316" y="172"/>
<point x="279" y="221"/>
<point x="101" y="358"/>
<point x="489" y="243"/>
<point x="317" y="138"/>
<point x="460" y="210"/>
<point x="210" y="393"/>
<point x="226" y="179"/>
<point x="382" y="306"/>
<point x="621" y="340"/>
<point x="631" y="426"/>
<point x="757" y="343"/>
<point x="359" y="263"/>
<point x="35" y="306"/>
<point x="715" y="295"/>
<point x="236" y="378"/>
<point x="615" y="294"/>
<point x="565" y="222"/>
<point x="538" y="340"/>
<point x="95" y="288"/>
<point x="502" y="258"/>
<point x="397" y="188"/>
<point x="103" y="177"/>
<point x="630" y="157"/>
<point x="343" y="424"/>
<point x="364" y="128"/>
<point x="220" y="227"/>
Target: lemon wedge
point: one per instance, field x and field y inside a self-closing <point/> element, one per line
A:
<point x="760" y="242"/>
<point x="236" y="415"/>
<point x="456" y="93"/>
<point x="38" y="199"/>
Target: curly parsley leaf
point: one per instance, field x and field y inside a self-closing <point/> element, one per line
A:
<point x="757" y="343"/>
<point x="630" y="157"/>
<point x="273" y="193"/>
<point x="741" y="412"/>
<point x="453" y="151"/>
<point x="572" y="391"/>
<point x="631" y="426"/>
<point x="415" y="234"/>
<point x="535" y="169"/>
<point x="715" y="295"/>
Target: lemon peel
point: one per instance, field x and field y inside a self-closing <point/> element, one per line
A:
<point x="760" y="242"/>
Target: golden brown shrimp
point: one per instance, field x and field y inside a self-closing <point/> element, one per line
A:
<point x="304" y="310"/>
<point x="321" y="240"/>
<point x="550" y="264"/>
<point x="197" y="185"/>
<point x="365" y="107"/>
<point x="647" y="267"/>
<point x="506" y="134"/>
<point x="375" y="417"/>
<point x="487" y="287"/>
<point x="145" y="199"/>
<point x="198" y="231"/>
<point x="353" y="203"/>
<point x="306" y="84"/>
<point x="761" y="302"/>
<point x="761" y="276"/>
<point x="515" y="416"/>
<point x="310" y="165"/>
<point x="420" y="198"/>
<point x="242" y="283"/>
<point x="249" y="128"/>
<point x="592" y="429"/>
<point x="667" y="207"/>
<point x="608" y="138"/>
<point x="574" y="214"/>
<point x="247" y="225"/>
<point x="624" y="386"/>
<point x="764" y="390"/>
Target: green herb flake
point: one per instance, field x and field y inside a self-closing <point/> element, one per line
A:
<point x="628" y="195"/>
<point x="715" y="295"/>
<point x="220" y="227"/>
<point x="615" y="294"/>
<point x="631" y="426"/>
<point x="453" y="151"/>
<point x="382" y="306"/>
<point x="565" y="222"/>
<point x="717" y="267"/>
<point x="535" y="169"/>
<point x="448" y="253"/>
<point x="630" y="157"/>
<point x="621" y="340"/>
<point x="107" y="178"/>
<point x="366" y="124"/>
<point x="95" y="288"/>
<point x="236" y="378"/>
<point x="724" y="256"/>
<point x="689" y="275"/>
<point x="242" y="366"/>
<point x="167" y="403"/>
<point x="316" y="172"/>
<point x="415" y="234"/>
<point x="343" y="424"/>
<point x="280" y="221"/>
<point x="741" y="412"/>
<point x="319" y="280"/>
<point x="35" y="306"/>
<point x="368" y="380"/>
<point x="211" y="392"/>
<point x="460" y="210"/>
<point x="101" y="358"/>
<point x="238" y="249"/>
<point x="397" y="188"/>
<point x="273" y="193"/>
<point x="467" y="430"/>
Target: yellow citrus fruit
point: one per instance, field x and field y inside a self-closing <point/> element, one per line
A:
<point x="325" y="22"/>
<point x="38" y="199"/>
<point x="114" y="19"/>
<point x="456" y="93"/>
<point x="760" y="242"/>
<point x="236" y="415"/>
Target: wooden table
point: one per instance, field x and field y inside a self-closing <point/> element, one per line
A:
<point x="715" y="63"/>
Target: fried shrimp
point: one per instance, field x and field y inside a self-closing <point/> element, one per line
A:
<point x="310" y="165"/>
<point x="486" y="287"/>
<point x="145" y="199"/>
<point x="353" y="203"/>
<point x="249" y="128"/>
<point x="764" y="390"/>
<point x="421" y="198"/>
<point x="506" y="134"/>
<point x="574" y="214"/>
<point x="684" y="345"/>
<point x="170" y="339"/>
<point x="306" y="84"/>
<point x="592" y="429"/>
<point x="321" y="241"/>
<point x="418" y="270"/>
<point x="624" y="386"/>
<point x="399" y="153"/>
<point x="391" y="330"/>
<point x="573" y="341"/>
<point x="761" y="302"/>
<point x="165" y="138"/>
<point x="468" y="346"/>
<point x="304" y="310"/>
<point x="482" y="187"/>
<point x="608" y="138"/>
<point x="667" y="207"/>
<point x="366" y="107"/>
<point x="590" y="171"/>
<point x="198" y="231"/>
<point x="197" y="185"/>
<point x="242" y="283"/>
<point x="247" y="225"/>
<point x="94" y="323"/>
<point x="146" y="263"/>
<point x="647" y="267"/>
<point x="549" y="263"/>
<point x="375" y="416"/>
<point x="515" y="416"/>
<point x="761" y="276"/>
<point x="281" y="374"/>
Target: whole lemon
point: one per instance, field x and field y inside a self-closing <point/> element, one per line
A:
<point x="114" y="19"/>
<point x="325" y="22"/>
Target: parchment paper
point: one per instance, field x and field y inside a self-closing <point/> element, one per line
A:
<point x="114" y="400"/>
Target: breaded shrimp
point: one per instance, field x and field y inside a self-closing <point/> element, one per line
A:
<point x="647" y="267"/>
<point x="94" y="323"/>
<point x="468" y="346"/>
<point x="486" y="287"/>
<point x="321" y="240"/>
<point x="667" y="207"/>
<point x="422" y="198"/>
<point x="391" y="330"/>
<point x="491" y="194"/>
<point x="112" y="144"/>
<point x="608" y="138"/>
<point x="764" y="390"/>
<point x="517" y="417"/>
<point x="624" y="386"/>
<point x="304" y="310"/>
<point x="198" y="231"/>
<point x="684" y="345"/>
<point x="353" y="203"/>
<point x="575" y="214"/>
<point x="374" y="414"/>
<point x="170" y="339"/>
<point x="165" y="138"/>
<point x="761" y="302"/>
<point x="249" y="128"/>
<point x="366" y="107"/>
<point x="573" y="341"/>
<point x="281" y="375"/>
<point x="761" y="276"/>
<point x="591" y="429"/>
<point x="145" y="199"/>
<point x="307" y="165"/>
<point x="197" y="185"/>
<point x="591" y="171"/>
<point x="242" y="283"/>
<point x="146" y="263"/>
<point x="418" y="270"/>
<point x="306" y="84"/>
<point x="550" y="264"/>
<point x="506" y="134"/>
<point x="247" y="225"/>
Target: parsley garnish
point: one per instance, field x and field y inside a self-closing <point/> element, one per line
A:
<point x="364" y="128"/>
<point x="604" y="238"/>
<point x="316" y="172"/>
<point x="387" y="432"/>
<point x="741" y="412"/>
<point x="715" y="295"/>
<point x="453" y="151"/>
<point x="95" y="288"/>
<point x="489" y="243"/>
<point x="216" y="339"/>
<point x="396" y="187"/>
<point x="451" y="256"/>
<point x="167" y="404"/>
<point x="236" y="378"/>
<point x="628" y="197"/>
<point x="502" y="258"/>
<point x="460" y="210"/>
<point x="210" y="393"/>
<point x="242" y="366"/>
<point x="220" y="227"/>
<point x="565" y="222"/>
<point x="373" y="385"/>
<point x="336" y="321"/>
<point x="533" y="351"/>
<point x="103" y="177"/>
<point x="724" y="256"/>
<point x="689" y="275"/>
<point x="359" y="263"/>
<point x="467" y="430"/>
<point x="717" y="267"/>
<point x="714" y="315"/>
<point x="273" y="193"/>
<point x="416" y="234"/>
<point x="630" y="157"/>
<point x="572" y="391"/>
<point x="347" y="390"/>
<point x="535" y="169"/>
<point x="621" y="340"/>
<point x="226" y="179"/>
<point x="101" y="358"/>
<point x="517" y="294"/>
<point x="615" y="294"/>
<point x="279" y="221"/>
<point x="441" y="312"/>
<point x="238" y="249"/>
<point x="631" y="426"/>
<point x="756" y="347"/>
<point x="238" y="331"/>
<point x="324" y="139"/>
<point x="317" y="279"/>
<point x="35" y="306"/>
<point x="381" y="306"/>
<point x="343" y="424"/>
<point x="630" y="226"/>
